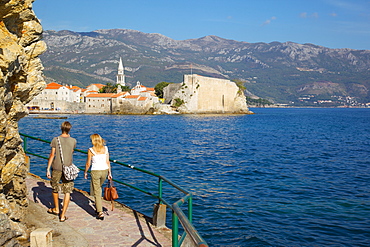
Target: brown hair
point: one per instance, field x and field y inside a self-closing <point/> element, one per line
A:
<point x="98" y="142"/>
<point x="66" y="127"/>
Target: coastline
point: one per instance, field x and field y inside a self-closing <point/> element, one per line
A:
<point x="49" y="112"/>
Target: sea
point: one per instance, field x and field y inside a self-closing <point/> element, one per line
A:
<point x="279" y="177"/>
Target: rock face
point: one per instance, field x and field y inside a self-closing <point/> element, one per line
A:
<point x="200" y="94"/>
<point x="20" y="80"/>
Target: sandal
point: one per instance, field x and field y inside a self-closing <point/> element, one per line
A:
<point x="62" y="220"/>
<point x="100" y="216"/>
<point x="51" y="211"/>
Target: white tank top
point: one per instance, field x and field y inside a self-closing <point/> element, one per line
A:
<point x="99" y="161"/>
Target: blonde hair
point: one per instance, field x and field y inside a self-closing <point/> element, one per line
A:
<point x="98" y="142"/>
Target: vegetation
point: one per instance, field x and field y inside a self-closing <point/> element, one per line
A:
<point x="240" y="85"/>
<point x="159" y="88"/>
<point x="125" y="88"/>
<point x="110" y="88"/>
<point x="258" y="102"/>
<point x="178" y="102"/>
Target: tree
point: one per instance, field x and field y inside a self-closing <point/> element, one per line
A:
<point x="240" y="85"/>
<point x="109" y="88"/>
<point x="159" y="88"/>
<point x="125" y="88"/>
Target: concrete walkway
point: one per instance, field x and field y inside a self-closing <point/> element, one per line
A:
<point x="121" y="227"/>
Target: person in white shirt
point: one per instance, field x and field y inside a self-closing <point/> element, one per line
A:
<point x="98" y="159"/>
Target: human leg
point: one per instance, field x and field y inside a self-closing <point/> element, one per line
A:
<point x="55" y="210"/>
<point x="54" y="182"/>
<point x="67" y="188"/>
<point x="66" y="200"/>
<point x="98" y="177"/>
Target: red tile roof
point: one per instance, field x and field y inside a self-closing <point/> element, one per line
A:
<point x="118" y="95"/>
<point x="142" y="98"/>
<point x="101" y="95"/>
<point x="53" y="85"/>
<point x="132" y="96"/>
<point x="98" y="85"/>
<point x="73" y="87"/>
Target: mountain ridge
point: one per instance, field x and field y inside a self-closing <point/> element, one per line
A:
<point x="276" y="71"/>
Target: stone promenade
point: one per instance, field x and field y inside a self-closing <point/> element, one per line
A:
<point x="120" y="227"/>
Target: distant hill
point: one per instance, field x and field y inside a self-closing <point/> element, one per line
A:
<point x="279" y="72"/>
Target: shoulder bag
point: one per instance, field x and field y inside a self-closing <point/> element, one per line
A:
<point x="110" y="192"/>
<point x="70" y="172"/>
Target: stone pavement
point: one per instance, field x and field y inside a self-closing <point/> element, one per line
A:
<point x="120" y="227"/>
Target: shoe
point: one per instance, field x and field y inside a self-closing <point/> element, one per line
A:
<point x="64" y="219"/>
<point x="100" y="216"/>
<point x="51" y="211"/>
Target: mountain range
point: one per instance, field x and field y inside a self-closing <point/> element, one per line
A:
<point x="280" y="72"/>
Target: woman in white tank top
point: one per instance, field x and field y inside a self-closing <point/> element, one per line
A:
<point x="98" y="159"/>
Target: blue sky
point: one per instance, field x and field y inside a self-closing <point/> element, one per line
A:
<point x="329" y="23"/>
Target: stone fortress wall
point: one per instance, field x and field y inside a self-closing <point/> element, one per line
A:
<point x="200" y="94"/>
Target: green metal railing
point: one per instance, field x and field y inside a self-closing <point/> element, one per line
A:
<point x="178" y="214"/>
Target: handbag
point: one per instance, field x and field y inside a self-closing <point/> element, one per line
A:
<point x="70" y="172"/>
<point x="110" y="192"/>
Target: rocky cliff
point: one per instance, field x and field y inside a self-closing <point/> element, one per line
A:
<point x="20" y="80"/>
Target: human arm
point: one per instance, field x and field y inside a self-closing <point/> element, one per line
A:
<point x="50" y="161"/>
<point x="109" y="167"/>
<point x="88" y="162"/>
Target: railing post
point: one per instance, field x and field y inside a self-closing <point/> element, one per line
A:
<point x="190" y="209"/>
<point x="160" y="190"/>
<point x="25" y="144"/>
<point x="159" y="213"/>
<point x="175" y="230"/>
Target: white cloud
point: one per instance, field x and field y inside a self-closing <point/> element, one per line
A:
<point x="303" y="15"/>
<point x="267" y="22"/>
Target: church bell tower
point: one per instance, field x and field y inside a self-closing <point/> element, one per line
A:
<point x="120" y="75"/>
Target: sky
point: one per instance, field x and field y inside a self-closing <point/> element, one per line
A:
<point x="328" y="23"/>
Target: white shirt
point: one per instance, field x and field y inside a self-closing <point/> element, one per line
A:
<point x="99" y="161"/>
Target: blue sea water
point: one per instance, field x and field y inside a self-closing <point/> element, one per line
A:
<point x="280" y="177"/>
